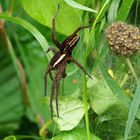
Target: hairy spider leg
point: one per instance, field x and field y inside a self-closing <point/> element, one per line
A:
<point x="51" y="49"/>
<point x="56" y="86"/>
<point x="51" y="98"/>
<point x="57" y="93"/>
<point x="60" y="73"/>
<point x="51" y="77"/>
<point x="53" y="30"/>
<point x="80" y="28"/>
<point x="48" y="71"/>
<point x="80" y="66"/>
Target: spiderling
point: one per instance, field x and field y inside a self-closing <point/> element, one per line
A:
<point x="123" y="38"/>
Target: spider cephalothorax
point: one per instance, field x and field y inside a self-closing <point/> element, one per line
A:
<point x="60" y="60"/>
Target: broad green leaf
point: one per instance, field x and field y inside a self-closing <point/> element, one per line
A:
<point x="133" y="110"/>
<point x="71" y="111"/>
<point x="67" y="20"/>
<point x="75" y="134"/>
<point x="125" y="9"/>
<point x="101" y="97"/>
<point x="79" y="6"/>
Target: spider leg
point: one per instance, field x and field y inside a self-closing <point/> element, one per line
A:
<point x="51" y="98"/>
<point x="55" y="85"/>
<point x="80" y="28"/>
<point x="51" y="77"/>
<point x="53" y="30"/>
<point x="45" y="79"/>
<point x="80" y="66"/>
<point x="57" y="93"/>
<point x="59" y="75"/>
<point x="51" y="49"/>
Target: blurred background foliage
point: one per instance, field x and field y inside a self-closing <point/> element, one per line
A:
<point x="113" y="94"/>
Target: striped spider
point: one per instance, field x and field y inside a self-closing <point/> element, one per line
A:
<point x="60" y="60"/>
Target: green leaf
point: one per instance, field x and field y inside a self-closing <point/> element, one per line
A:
<point x="10" y="138"/>
<point x="79" y="6"/>
<point x="101" y="97"/>
<point x="86" y="106"/>
<point x="11" y="100"/>
<point x="71" y="111"/>
<point x="114" y="87"/>
<point x="99" y="17"/>
<point x="26" y="137"/>
<point x="34" y="31"/>
<point x="113" y="9"/>
<point x="75" y="134"/>
<point x="67" y="20"/>
<point x="34" y="89"/>
<point x="112" y="122"/>
<point x="125" y="9"/>
<point x="133" y="110"/>
<point x="35" y="66"/>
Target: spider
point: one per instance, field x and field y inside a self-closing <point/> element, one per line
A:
<point x="60" y="60"/>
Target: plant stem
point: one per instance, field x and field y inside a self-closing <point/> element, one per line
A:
<point x="13" y="57"/>
<point x="86" y="107"/>
<point x="19" y="69"/>
<point x="11" y="9"/>
<point x="125" y="78"/>
<point x="131" y="69"/>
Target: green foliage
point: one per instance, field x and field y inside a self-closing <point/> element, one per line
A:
<point x="133" y="110"/>
<point x="10" y="138"/>
<point x="103" y="98"/>
<point x="43" y="13"/>
<point x="71" y="111"/>
<point x="75" y="134"/>
<point x="79" y="6"/>
<point x="124" y="9"/>
<point x="9" y="93"/>
<point x="106" y="107"/>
